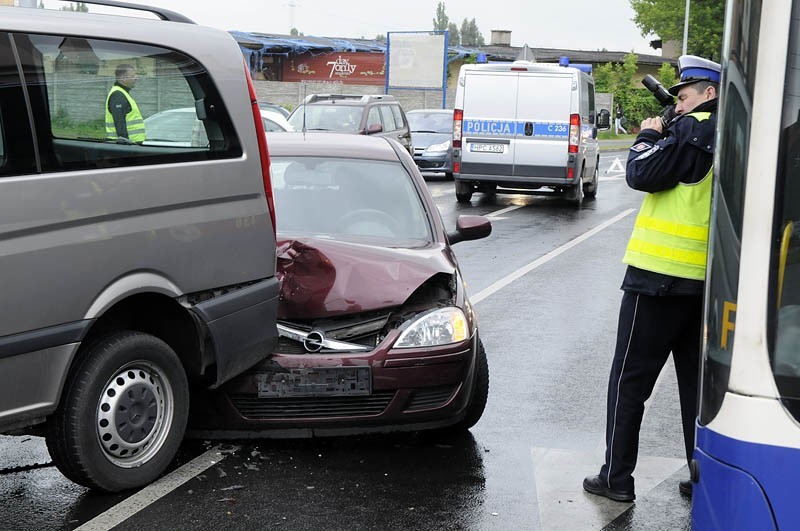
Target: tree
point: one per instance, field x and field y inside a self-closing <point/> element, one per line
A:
<point x="295" y="33"/>
<point x="441" y="22"/>
<point x="665" y="18"/>
<point x="80" y="7"/>
<point x="470" y="34"/>
<point x="380" y="37"/>
<point x="455" y="36"/>
<point x="637" y="102"/>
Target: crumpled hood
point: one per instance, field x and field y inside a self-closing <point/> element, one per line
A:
<point x="322" y="278"/>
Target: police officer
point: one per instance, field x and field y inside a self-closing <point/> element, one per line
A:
<point x="662" y="303"/>
<point x="123" y="119"/>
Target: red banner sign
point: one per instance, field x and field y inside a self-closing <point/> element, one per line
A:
<point x="350" y="68"/>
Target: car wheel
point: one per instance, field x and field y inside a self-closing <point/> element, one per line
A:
<point x="123" y="415"/>
<point x="480" y="391"/>
<point x="463" y="192"/>
<point x="590" y="189"/>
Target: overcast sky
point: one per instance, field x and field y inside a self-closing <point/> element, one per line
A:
<point x="570" y="24"/>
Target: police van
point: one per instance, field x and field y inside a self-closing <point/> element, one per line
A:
<point x="525" y="126"/>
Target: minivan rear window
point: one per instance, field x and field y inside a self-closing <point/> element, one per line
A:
<point x="98" y="103"/>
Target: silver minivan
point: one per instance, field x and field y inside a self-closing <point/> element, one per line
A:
<point x="130" y="272"/>
<point x="525" y="126"/>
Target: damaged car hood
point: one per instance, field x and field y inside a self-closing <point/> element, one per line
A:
<point x="321" y="277"/>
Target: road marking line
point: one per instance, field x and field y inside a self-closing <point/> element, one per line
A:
<point x="616" y="166"/>
<point x="503" y="282"/>
<point x="153" y="492"/>
<point x="502" y="211"/>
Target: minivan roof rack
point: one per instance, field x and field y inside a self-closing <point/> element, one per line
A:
<point x="163" y="14"/>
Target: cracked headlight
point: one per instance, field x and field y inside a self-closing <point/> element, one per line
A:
<point x="438" y="148"/>
<point x="439" y="327"/>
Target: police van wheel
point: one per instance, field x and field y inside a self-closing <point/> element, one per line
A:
<point x="590" y="188"/>
<point x="123" y="414"/>
<point x="463" y="192"/>
<point x="575" y="193"/>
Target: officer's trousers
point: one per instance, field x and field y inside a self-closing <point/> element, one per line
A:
<point x="649" y="329"/>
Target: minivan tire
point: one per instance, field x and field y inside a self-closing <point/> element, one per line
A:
<point x="123" y="413"/>
<point x="590" y="188"/>
<point x="575" y="192"/>
<point x="463" y="192"/>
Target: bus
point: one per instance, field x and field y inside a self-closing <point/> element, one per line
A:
<point x="747" y="455"/>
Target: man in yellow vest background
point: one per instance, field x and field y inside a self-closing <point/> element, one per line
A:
<point x="662" y="302"/>
<point x="124" y="121"/>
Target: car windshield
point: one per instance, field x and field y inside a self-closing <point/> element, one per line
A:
<point x="430" y="122"/>
<point x="178" y="126"/>
<point x="348" y="199"/>
<point x="342" y="118"/>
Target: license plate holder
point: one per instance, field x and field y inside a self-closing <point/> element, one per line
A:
<point x="318" y="381"/>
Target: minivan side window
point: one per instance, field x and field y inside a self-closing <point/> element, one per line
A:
<point x="16" y="142"/>
<point x="388" y="118"/>
<point x="167" y="111"/>
<point x="374" y="117"/>
<point x="398" y="116"/>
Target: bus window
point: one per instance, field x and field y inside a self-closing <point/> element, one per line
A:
<point x="728" y="206"/>
<point x="785" y="354"/>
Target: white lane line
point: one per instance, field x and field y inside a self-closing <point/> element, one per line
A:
<point x="503" y="282"/>
<point x="502" y="211"/>
<point x="153" y="492"/>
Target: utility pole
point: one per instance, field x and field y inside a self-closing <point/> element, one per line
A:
<point x="686" y="28"/>
<point x="292" y="4"/>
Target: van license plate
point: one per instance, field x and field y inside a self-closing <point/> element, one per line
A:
<point x="487" y="148"/>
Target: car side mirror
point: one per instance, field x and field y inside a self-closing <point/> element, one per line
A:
<point x="604" y="119"/>
<point x="374" y="128"/>
<point x="470" y="228"/>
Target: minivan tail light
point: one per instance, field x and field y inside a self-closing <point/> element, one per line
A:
<point x="458" y="117"/>
<point x="574" y="132"/>
<point x="262" y="148"/>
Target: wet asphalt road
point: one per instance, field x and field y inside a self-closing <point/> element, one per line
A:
<point x="547" y="312"/>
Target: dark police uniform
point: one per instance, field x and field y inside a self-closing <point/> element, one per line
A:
<point x="660" y="312"/>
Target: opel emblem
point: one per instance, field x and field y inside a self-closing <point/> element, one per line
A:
<point x="313" y="341"/>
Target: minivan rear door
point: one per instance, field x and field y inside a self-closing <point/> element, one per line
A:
<point x="543" y="110"/>
<point x="489" y="126"/>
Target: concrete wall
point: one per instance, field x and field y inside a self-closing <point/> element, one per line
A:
<point x="290" y="95"/>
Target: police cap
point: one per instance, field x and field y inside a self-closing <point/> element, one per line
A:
<point x="694" y="69"/>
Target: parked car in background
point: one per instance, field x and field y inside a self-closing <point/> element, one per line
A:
<point x="181" y="127"/>
<point x="274" y="107"/>
<point x="131" y="272"/>
<point x="274" y="121"/>
<point x="376" y="330"/>
<point x="377" y="114"/>
<point x="432" y="138"/>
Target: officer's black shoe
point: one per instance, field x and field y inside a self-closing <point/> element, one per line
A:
<point x="595" y="485"/>
<point x="686" y="487"/>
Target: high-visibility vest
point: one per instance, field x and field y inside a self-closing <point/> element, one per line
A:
<point x="671" y="231"/>
<point x="133" y="120"/>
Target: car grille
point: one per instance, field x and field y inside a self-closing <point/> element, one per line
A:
<point x="362" y="330"/>
<point x="428" y="164"/>
<point x="252" y="407"/>
<point x="430" y="398"/>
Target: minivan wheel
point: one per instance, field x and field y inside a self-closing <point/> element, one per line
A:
<point x="123" y="414"/>
<point x="480" y="391"/>
<point x="575" y="192"/>
<point x="590" y="188"/>
<point x="463" y="192"/>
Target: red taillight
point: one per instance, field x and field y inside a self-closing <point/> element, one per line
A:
<point x="574" y="132"/>
<point x="570" y="173"/>
<point x="456" y="167"/>
<point x="458" y="117"/>
<point x="262" y="147"/>
<point x="518" y="69"/>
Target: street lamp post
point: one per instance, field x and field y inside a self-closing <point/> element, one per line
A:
<point x="685" y="28"/>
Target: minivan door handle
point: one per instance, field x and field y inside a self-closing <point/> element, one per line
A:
<point x="528" y="128"/>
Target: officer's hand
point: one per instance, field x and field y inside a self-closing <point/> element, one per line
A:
<point x="653" y="123"/>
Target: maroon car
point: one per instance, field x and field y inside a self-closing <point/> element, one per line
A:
<point x="376" y="331"/>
